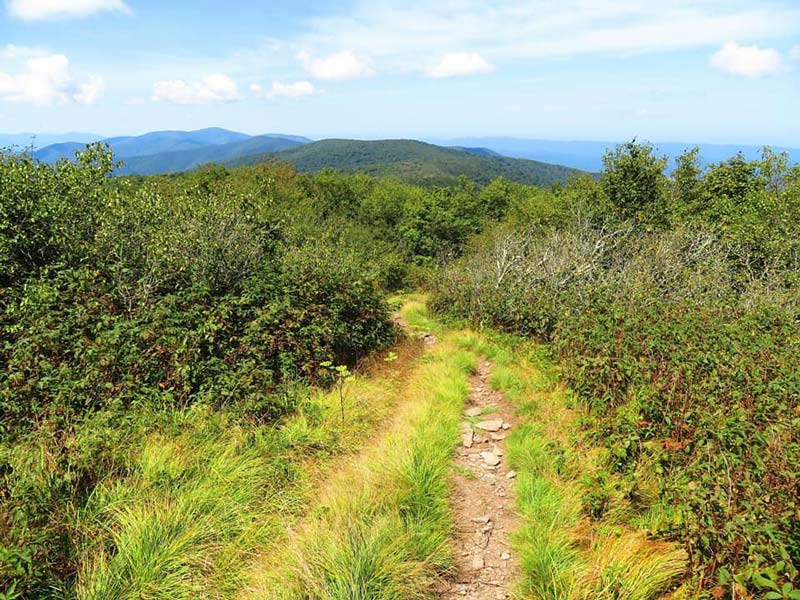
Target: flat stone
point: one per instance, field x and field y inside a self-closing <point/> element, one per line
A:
<point x="497" y="451"/>
<point x="468" y="439"/>
<point x="493" y="425"/>
<point x="511" y="475"/>
<point x="505" y="426"/>
<point x="505" y="556"/>
<point x="478" y="562"/>
<point x="483" y="519"/>
<point x="497" y="437"/>
<point x="490" y="458"/>
<point x="474" y="411"/>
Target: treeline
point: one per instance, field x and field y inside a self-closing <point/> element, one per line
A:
<point x="673" y="304"/>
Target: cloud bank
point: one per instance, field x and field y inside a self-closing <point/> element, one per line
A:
<point x="44" y="78"/>
<point x="40" y="10"/>
<point x="339" y="66"/>
<point x="216" y="87"/>
<point x="460" y="63"/>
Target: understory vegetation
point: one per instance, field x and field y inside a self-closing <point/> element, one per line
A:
<point x="671" y="303"/>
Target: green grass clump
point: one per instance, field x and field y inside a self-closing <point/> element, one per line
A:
<point x="184" y="525"/>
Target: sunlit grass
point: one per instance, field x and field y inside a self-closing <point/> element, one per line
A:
<point x="203" y="498"/>
<point x="383" y="525"/>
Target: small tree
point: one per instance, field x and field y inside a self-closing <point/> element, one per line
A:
<point x="634" y="180"/>
<point x="341" y="375"/>
<point x="686" y="181"/>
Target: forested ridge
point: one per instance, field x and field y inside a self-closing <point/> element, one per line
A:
<point x="183" y="356"/>
<point x="414" y="162"/>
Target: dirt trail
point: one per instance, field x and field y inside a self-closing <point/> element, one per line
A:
<point x="483" y="498"/>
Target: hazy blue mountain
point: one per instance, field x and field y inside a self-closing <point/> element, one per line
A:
<point x="588" y="155"/>
<point x="40" y="140"/>
<point x="294" y="138"/>
<point x="184" y="160"/>
<point x="162" y="142"/>
<point x="54" y="152"/>
<point x="413" y="161"/>
<point x="157" y="142"/>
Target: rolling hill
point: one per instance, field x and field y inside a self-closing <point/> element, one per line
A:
<point x="161" y="152"/>
<point x="172" y="141"/>
<point x="163" y="142"/>
<point x="55" y="152"/>
<point x="184" y="160"/>
<point x="414" y="161"/>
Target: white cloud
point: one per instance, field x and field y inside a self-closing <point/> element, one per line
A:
<point x="746" y="61"/>
<point x="89" y="92"/>
<point x="279" y="89"/>
<point x="36" y="10"/>
<point x="45" y="78"/>
<point x="216" y="87"/>
<point x="402" y="38"/>
<point x="460" y="63"/>
<point x="794" y="53"/>
<point x="297" y="89"/>
<point x="342" y="65"/>
<point x="11" y="52"/>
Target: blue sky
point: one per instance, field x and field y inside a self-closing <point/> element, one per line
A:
<point x="725" y="71"/>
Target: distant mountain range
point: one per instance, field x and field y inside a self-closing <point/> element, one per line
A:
<point x="539" y="162"/>
<point x="175" y="161"/>
<point x="175" y="151"/>
<point x="588" y="156"/>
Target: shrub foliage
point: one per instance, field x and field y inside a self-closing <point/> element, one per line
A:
<point x="672" y="302"/>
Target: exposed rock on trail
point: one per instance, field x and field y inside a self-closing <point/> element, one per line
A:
<point x="483" y="499"/>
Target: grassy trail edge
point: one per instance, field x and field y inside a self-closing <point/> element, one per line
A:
<point x="383" y="526"/>
<point x="565" y="554"/>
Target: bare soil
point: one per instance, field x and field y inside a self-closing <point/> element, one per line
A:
<point x="483" y="498"/>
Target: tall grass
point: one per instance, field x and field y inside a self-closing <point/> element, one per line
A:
<point x="383" y="525"/>
<point x="208" y="492"/>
